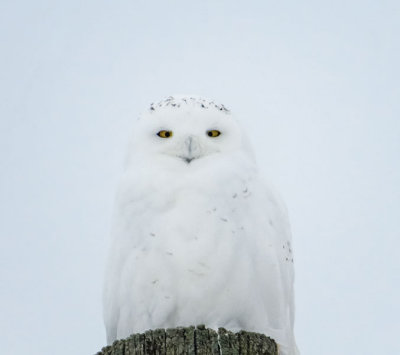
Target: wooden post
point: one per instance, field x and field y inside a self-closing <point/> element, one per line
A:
<point x="193" y="341"/>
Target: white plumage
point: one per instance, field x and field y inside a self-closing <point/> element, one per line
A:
<point x="198" y="237"/>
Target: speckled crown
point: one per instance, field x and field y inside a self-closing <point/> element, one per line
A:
<point x="178" y="101"/>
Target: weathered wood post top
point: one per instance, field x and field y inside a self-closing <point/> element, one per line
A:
<point x="193" y="341"/>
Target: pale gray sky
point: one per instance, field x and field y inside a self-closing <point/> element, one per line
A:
<point x="316" y="83"/>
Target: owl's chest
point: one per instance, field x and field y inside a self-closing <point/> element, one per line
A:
<point x="193" y="236"/>
<point x="193" y="231"/>
<point x="188" y="213"/>
<point x="191" y="220"/>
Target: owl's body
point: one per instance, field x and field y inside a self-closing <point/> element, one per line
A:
<point x="198" y="238"/>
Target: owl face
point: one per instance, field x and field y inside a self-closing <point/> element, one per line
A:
<point x="186" y="135"/>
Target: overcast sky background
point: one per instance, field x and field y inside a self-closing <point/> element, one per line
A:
<point x="315" y="83"/>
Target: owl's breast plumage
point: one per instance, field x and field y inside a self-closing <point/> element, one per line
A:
<point x="188" y="253"/>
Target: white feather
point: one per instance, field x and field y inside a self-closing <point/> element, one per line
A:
<point x="205" y="242"/>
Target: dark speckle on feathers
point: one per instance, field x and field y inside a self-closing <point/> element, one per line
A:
<point x="179" y="101"/>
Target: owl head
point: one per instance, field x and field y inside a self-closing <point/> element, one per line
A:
<point x="187" y="132"/>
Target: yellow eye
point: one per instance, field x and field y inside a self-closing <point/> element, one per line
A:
<point x="213" y="133"/>
<point x="165" y="134"/>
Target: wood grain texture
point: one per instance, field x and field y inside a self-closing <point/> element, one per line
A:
<point x="193" y="341"/>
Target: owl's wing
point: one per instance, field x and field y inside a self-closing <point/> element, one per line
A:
<point x="128" y="210"/>
<point x="286" y="253"/>
<point x="274" y="237"/>
<point x="110" y="305"/>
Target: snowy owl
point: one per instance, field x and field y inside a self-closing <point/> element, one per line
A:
<point x="198" y="237"/>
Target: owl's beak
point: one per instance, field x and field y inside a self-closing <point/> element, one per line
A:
<point x="191" y="148"/>
<point x="187" y="160"/>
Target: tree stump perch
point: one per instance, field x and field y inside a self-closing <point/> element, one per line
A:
<point x="193" y="341"/>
